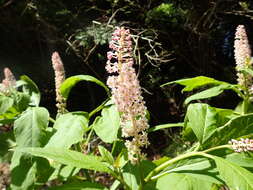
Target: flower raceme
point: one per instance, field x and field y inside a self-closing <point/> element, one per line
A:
<point x="242" y="53"/>
<point x="126" y="93"/>
<point x="243" y="145"/>
<point x="9" y="78"/>
<point x="9" y="81"/>
<point x="59" y="79"/>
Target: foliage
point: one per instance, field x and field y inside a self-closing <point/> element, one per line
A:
<point x="74" y="149"/>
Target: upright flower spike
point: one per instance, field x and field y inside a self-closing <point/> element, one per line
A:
<point x="126" y="93"/>
<point x="59" y="79"/>
<point x="242" y="53"/>
<point x="9" y="81"/>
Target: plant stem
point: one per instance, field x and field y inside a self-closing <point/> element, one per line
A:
<point x="118" y="175"/>
<point x="245" y="105"/>
<point x="181" y="157"/>
<point x="100" y="107"/>
<point x="51" y="120"/>
<point x="141" y="175"/>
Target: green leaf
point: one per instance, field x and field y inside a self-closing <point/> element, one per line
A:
<point x="235" y="176"/>
<point x="21" y="101"/>
<point x="241" y="159"/>
<point x="23" y="172"/>
<point x="69" y="157"/>
<point x="235" y="128"/>
<point x="205" y="120"/>
<point x="202" y="119"/>
<point x="6" y="142"/>
<point x="70" y="82"/>
<point x="196" y="82"/>
<point x="29" y="128"/>
<point x="29" y="131"/>
<point x="132" y="175"/>
<point x="79" y="186"/>
<point x="107" y="126"/>
<point x="106" y="155"/>
<point x="165" y="126"/>
<point x="70" y="127"/>
<point x="31" y="89"/>
<point x="247" y="70"/>
<point x="62" y="172"/>
<point x="199" y="168"/>
<point x="5" y="104"/>
<point x="211" y="92"/>
<point x="182" y="181"/>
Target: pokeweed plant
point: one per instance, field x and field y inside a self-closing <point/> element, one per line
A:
<point x="62" y="153"/>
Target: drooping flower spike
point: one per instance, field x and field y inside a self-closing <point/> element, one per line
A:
<point x="243" y="145"/>
<point x="126" y="93"/>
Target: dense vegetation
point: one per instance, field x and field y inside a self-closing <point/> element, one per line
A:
<point x="93" y="134"/>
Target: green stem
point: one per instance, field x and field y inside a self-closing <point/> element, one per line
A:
<point x="100" y="107"/>
<point x="181" y="157"/>
<point x="141" y="176"/>
<point x="245" y="105"/>
<point x="118" y="175"/>
<point x="51" y="120"/>
<point x="89" y="136"/>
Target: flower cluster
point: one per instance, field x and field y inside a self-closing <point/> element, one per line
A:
<point x="242" y="53"/>
<point x="59" y="79"/>
<point x="242" y="145"/>
<point x="126" y="93"/>
<point x="8" y="82"/>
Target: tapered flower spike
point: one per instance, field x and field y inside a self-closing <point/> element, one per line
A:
<point x="126" y="93"/>
<point x="9" y="81"/>
<point x="59" y="79"/>
<point x="242" y="53"/>
<point x="9" y="78"/>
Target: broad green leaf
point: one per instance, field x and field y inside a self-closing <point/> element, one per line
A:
<point x="30" y="88"/>
<point x="236" y="127"/>
<point x="235" y="176"/>
<point x="196" y="82"/>
<point x="202" y="119"/>
<point x="199" y="168"/>
<point x="165" y="126"/>
<point x="241" y="159"/>
<point x="70" y="130"/>
<point x="23" y="172"/>
<point x="29" y="131"/>
<point x="29" y="128"/>
<point x="5" y="104"/>
<point x="182" y="181"/>
<point x="107" y="126"/>
<point x="106" y="155"/>
<point x="211" y="92"/>
<point x="86" y="185"/>
<point x="205" y="120"/>
<point x="69" y="157"/>
<point x="70" y="82"/>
